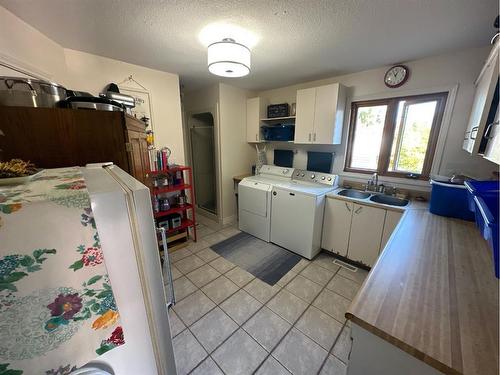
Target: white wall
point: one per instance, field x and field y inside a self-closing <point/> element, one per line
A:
<point x="234" y="155"/>
<point x="23" y="46"/>
<point x="205" y="100"/>
<point x="434" y="73"/>
<point x="26" y="48"/>
<point x="237" y="156"/>
<point x="87" y="72"/>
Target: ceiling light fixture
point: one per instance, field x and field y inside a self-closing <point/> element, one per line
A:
<point x="228" y="58"/>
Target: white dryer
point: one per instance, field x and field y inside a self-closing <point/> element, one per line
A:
<point x="297" y="211"/>
<point x="254" y="199"/>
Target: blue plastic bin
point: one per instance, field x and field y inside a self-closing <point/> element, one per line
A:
<point x="450" y="200"/>
<point x="487" y="219"/>
<point x="483" y="197"/>
<point x="480" y="188"/>
<point x="279" y="132"/>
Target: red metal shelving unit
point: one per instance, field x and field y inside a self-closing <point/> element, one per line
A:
<point x="187" y="187"/>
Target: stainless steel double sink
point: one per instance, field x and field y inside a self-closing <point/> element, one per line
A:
<point x="376" y="198"/>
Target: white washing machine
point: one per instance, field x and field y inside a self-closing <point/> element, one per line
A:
<point x="254" y="199"/>
<point x="297" y="211"/>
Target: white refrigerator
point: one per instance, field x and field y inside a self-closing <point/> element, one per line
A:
<point x="124" y="220"/>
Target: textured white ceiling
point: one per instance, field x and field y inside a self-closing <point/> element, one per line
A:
<point x="299" y="40"/>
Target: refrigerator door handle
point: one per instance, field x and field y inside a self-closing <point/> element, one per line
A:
<point x="167" y="270"/>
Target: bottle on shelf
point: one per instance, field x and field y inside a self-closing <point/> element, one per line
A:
<point x="182" y="199"/>
<point x="156" y="204"/>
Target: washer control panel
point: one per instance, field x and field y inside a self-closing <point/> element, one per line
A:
<point x="317" y="177"/>
<point x="272" y="170"/>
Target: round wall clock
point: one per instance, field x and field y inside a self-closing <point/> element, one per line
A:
<point x="396" y="76"/>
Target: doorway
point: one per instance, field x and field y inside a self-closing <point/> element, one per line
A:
<point x="203" y="157"/>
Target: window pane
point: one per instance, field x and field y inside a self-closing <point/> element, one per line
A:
<point x="368" y="132"/>
<point x="411" y="136"/>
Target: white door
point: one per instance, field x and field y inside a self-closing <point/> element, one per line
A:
<point x="252" y="197"/>
<point x="391" y="221"/>
<point x="324" y="113"/>
<point x="254" y="208"/>
<point x="292" y="220"/>
<point x="366" y="234"/>
<point x="305" y="115"/>
<point x="492" y="151"/>
<point x="253" y="120"/>
<point x="124" y="219"/>
<point x="337" y="226"/>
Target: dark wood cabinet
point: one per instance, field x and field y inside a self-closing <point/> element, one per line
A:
<point x="56" y="137"/>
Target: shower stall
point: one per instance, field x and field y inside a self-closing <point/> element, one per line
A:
<point x="203" y="159"/>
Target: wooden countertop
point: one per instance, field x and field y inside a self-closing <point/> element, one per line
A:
<point x="433" y="294"/>
<point x="237" y="179"/>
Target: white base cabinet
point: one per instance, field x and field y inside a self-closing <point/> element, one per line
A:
<point x="372" y="355"/>
<point x="391" y="221"/>
<point x="367" y="226"/>
<point x="337" y="226"/>
<point x="356" y="231"/>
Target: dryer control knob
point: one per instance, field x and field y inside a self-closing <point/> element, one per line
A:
<point x="329" y="178"/>
<point x="323" y="178"/>
<point x="302" y="175"/>
<point x="313" y="176"/>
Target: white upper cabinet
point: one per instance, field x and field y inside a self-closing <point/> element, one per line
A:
<point x="255" y="111"/>
<point x="492" y="152"/>
<point x="486" y="83"/>
<point x="320" y="114"/>
<point x="304" y="119"/>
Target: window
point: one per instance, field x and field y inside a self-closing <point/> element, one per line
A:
<point x="395" y="137"/>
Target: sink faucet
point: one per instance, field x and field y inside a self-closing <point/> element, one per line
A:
<point x="372" y="184"/>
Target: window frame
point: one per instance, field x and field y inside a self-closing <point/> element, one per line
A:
<point x="388" y="131"/>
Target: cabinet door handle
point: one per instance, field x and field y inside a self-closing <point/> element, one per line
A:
<point x="314" y="137"/>
<point x="467" y="134"/>
<point x="474" y="130"/>
<point x="488" y="130"/>
<point x="358" y="210"/>
<point x="309" y="137"/>
<point x="348" y="208"/>
<point x="255" y="136"/>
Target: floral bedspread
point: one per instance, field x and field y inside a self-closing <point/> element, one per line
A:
<point x="57" y="309"/>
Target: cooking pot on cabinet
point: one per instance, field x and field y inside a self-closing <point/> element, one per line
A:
<point x="27" y="92"/>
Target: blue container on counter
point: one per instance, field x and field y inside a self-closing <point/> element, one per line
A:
<point x="484" y="202"/>
<point x="450" y="199"/>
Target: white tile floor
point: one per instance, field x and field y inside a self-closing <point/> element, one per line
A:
<point x="228" y="322"/>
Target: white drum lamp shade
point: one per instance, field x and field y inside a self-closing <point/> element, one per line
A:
<point x="228" y="59"/>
